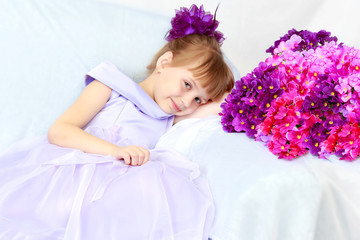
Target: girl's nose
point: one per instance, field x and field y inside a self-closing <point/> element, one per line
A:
<point x="188" y="100"/>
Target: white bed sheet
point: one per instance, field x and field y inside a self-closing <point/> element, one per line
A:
<point x="258" y="196"/>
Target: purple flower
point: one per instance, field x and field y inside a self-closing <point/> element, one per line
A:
<point x="326" y="88"/>
<point x="257" y="85"/>
<point x="241" y="87"/>
<point x="311" y="40"/>
<point x="318" y="133"/>
<point x="339" y="152"/>
<point x="252" y="97"/>
<point x="194" y="21"/>
<point x="272" y="84"/>
<point x="260" y="70"/>
<point x="241" y="123"/>
<point x="323" y="95"/>
<point x="310" y="103"/>
<point x="334" y="121"/>
<point x="324" y="36"/>
<point x="255" y="116"/>
<point x="313" y="146"/>
<point x="250" y="100"/>
<point x="265" y="103"/>
<point x="227" y="124"/>
<point x="251" y="131"/>
<point x="226" y="119"/>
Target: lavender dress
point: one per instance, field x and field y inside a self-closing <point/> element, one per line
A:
<point x="49" y="192"/>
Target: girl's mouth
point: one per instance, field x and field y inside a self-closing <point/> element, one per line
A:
<point x="175" y="107"/>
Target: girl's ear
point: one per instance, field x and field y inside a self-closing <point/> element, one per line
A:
<point x="163" y="61"/>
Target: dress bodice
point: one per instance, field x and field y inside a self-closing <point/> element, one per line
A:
<point x="130" y="117"/>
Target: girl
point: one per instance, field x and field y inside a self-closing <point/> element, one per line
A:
<point x="86" y="182"/>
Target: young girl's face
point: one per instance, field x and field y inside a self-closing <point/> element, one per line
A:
<point x="177" y="91"/>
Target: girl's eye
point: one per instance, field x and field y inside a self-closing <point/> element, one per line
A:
<point x="187" y="85"/>
<point x="198" y="101"/>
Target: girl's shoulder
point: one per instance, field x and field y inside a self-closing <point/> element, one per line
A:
<point x="110" y="75"/>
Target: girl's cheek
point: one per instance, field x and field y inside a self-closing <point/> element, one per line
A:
<point x="193" y="108"/>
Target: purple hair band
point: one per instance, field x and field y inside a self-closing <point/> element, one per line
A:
<point x="194" y="21"/>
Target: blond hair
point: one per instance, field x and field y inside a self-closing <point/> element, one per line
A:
<point x="211" y="70"/>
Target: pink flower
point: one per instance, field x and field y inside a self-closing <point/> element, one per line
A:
<point x="330" y="143"/>
<point x="309" y="120"/>
<point x="285" y="125"/>
<point x="296" y="136"/>
<point x="266" y="126"/>
<point x="355" y="152"/>
<point x="293" y="152"/>
<point x="345" y="131"/>
<point x="278" y="145"/>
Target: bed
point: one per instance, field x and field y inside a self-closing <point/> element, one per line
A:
<point x="48" y="46"/>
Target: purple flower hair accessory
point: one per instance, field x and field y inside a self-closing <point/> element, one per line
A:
<point x="194" y="21"/>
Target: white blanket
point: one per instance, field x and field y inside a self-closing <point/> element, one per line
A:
<point x="258" y="196"/>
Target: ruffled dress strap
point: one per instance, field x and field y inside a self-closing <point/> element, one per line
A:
<point x="111" y="76"/>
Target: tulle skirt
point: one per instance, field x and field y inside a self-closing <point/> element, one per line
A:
<point x="50" y="192"/>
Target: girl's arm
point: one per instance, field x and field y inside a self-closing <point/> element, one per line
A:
<point x="67" y="130"/>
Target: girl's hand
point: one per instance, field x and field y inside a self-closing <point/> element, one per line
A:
<point x="132" y="155"/>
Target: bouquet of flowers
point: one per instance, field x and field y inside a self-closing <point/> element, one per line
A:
<point x="304" y="97"/>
